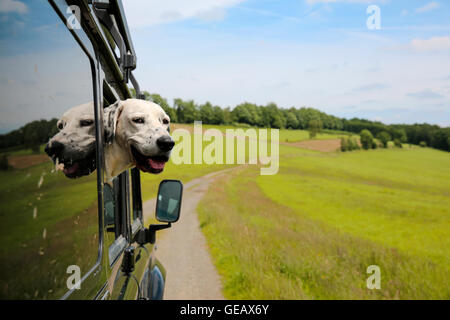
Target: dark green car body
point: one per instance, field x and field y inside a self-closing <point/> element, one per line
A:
<point x="68" y="238"/>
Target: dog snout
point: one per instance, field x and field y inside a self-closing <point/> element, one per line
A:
<point x="54" y="148"/>
<point x="165" y="143"/>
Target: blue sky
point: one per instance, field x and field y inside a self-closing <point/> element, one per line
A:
<point x="316" y="53"/>
<point x="43" y="70"/>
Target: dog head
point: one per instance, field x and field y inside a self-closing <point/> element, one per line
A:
<point x="74" y="145"/>
<point x="141" y="129"/>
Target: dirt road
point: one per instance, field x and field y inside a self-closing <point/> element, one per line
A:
<point x="329" y="145"/>
<point x="183" y="250"/>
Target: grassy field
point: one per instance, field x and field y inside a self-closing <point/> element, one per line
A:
<point x="187" y="172"/>
<point x="49" y="221"/>
<point x="311" y="231"/>
<point x="22" y="152"/>
<point x="313" y="228"/>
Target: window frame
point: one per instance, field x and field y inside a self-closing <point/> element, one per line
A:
<point x="82" y="39"/>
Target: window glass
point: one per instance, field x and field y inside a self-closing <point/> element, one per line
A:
<point x="130" y="188"/>
<point x="115" y="203"/>
<point x="136" y="194"/>
<point x="48" y="207"/>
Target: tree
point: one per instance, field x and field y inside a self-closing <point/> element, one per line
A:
<point x="241" y="113"/>
<point x="186" y="111"/>
<point x="384" y="138"/>
<point x="4" y="165"/>
<point x="399" y="134"/>
<point x="291" y="121"/>
<point x="218" y="116"/>
<point x="344" y="144"/>
<point x="366" y="139"/>
<point x="272" y="117"/>
<point x="350" y="144"/>
<point x="439" y="139"/>
<point x="314" y="127"/>
<point x="206" y="113"/>
<point x="355" y="143"/>
<point x="156" y="98"/>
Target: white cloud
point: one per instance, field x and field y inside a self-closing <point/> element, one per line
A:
<point x="142" y="13"/>
<point x="433" y="44"/>
<point x="425" y="94"/>
<point x="428" y="7"/>
<point x="371" y="87"/>
<point x="213" y="14"/>
<point x="13" y="6"/>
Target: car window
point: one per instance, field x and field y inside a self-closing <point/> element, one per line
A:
<point x="48" y="192"/>
<point x="135" y="200"/>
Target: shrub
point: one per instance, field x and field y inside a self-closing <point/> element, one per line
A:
<point x="35" y="149"/>
<point x="314" y="127"/>
<point x="366" y="139"/>
<point x="374" y="144"/>
<point x="355" y="143"/>
<point x="398" y="143"/>
<point x="344" y="146"/>
<point x="4" y="165"/>
<point x="384" y="137"/>
<point x="423" y="144"/>
<point x="350" y="145"/>
<point x="241" y="125"/>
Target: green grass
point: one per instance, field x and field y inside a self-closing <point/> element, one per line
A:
<point x="187" y="172"/>
<point x="21" y="152"/>
<point x="32" y="264"/>
<point x="311" y="231"/>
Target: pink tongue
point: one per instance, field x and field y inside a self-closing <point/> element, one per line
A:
<point x="159" y="165"/>
<point x="70" y="169"/>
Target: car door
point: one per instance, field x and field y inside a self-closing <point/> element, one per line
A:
<point x="127" y="259"/>
<point x="50" y="211"/>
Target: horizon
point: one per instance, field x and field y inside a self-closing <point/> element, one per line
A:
<point x="279" y="107"/>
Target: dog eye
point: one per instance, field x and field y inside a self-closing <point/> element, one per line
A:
<point x="138" y="120"/>
<point x="86" y="123"/>
<point x="60" y="126"/>
<point x="165" y="121"/>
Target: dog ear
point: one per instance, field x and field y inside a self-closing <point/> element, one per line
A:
<point x="110" y="118"/>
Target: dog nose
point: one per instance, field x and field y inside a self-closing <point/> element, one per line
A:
<point x="165" y="143"/>
<point x="54" y="148"/>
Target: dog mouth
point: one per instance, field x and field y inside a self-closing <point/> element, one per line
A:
<point x="152" y="164"/>
<point x="75" y="168"/>
<point x="70" y="169"/>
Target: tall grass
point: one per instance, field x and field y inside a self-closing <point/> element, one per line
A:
<point x="311" y="231"/>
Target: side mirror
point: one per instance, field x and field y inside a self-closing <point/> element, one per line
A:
<point x="168" y="203"/>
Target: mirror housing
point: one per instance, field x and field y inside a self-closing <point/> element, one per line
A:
<point x="168" y="206"/>
<point x="168" y="203"/>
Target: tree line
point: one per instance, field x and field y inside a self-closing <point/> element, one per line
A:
<point x="270" y="115"/>
<point x="250" y="114"/>
<point x="31" y="135"/>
